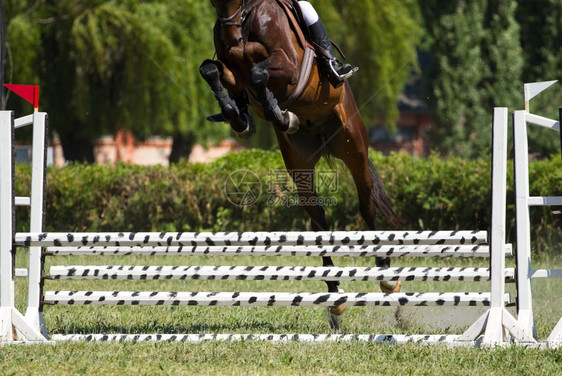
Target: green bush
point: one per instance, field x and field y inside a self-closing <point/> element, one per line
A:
<point x="429" y="194"/>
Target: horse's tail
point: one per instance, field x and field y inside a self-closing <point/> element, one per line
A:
<point x="381" y="199"/>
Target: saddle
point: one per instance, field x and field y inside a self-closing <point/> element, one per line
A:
<point x="296" y="20"/>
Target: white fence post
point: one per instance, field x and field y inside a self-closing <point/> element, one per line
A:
<point x="34" y="314"/>
<point x="523" y="202"/>
<point x="6" y="224"/>
<point x="13" y="326"/>
<point x="497" y="322"/>
<point x="560" y="127"/>
<point x="556" y="335"/>
<point x="523" y="255"/>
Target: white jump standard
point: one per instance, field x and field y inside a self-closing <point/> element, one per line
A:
<point x="523" y="202"/>
<point x="13" y="325"/>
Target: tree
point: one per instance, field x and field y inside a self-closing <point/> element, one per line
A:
<point x="106" y="65"/>
<point x="110" y="65"/>
<point x="541" y="41"/>
<point x="470" y="43"/>
<point x="381" y="38"/>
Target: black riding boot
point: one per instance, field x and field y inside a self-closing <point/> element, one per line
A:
<point x="337" y="71"/>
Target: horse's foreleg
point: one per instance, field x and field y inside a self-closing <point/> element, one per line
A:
<point x="240" y="122"/>
<point x="285" y="121"/>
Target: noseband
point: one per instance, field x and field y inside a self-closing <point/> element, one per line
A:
<point x="243" y="11"/>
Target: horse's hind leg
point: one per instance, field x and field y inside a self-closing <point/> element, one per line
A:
<point x="350" y="144"/>
<point x="367" y="182"/>
<point x="300" y="157"/>
<point x="240" y="122"/>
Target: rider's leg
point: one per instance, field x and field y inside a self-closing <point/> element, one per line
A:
<point x="337" y="71"/>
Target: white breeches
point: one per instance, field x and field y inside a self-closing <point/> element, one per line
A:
<point x="309" y="13"/>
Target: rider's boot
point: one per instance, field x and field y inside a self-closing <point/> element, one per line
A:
<point x="337" y="71"/>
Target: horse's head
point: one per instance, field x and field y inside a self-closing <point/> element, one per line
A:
<point x="231" y="15"/>
<point x="228" y="10"/>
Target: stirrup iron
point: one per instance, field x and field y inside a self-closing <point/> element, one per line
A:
<point x="341" y="77"/>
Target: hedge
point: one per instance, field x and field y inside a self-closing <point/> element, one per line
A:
<point x="429" y="194"/>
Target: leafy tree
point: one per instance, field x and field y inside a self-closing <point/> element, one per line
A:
<point x="541" y="41"/>
<point x="455" y="35"/>
<point x="503" y="80"/>
<point x="483" y="51"/>
<point x="381" y="38"/>
<point x="105" y="65"/>
<point x="110" y="65"/>
<point x="470" y="43"/>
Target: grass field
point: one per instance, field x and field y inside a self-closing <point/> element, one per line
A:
<point x="242" y="358"/>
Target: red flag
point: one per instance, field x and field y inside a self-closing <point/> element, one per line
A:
<point x="28" y="92"/>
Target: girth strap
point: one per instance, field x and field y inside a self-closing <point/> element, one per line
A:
<point x="304" y="75"/>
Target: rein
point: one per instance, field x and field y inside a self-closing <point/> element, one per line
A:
<point x="244" y="11"/>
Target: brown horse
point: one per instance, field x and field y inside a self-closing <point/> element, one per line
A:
<point x="261" y="53"/>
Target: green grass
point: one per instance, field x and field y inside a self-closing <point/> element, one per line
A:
<point x="243" y="358"/>
<point x="254" y="358"/>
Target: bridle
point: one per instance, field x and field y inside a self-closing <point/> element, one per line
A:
<point x="243" y="11"/>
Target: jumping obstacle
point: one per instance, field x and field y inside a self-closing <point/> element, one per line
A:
<point x="355" y="244"/>
<point x="370" y="243"/>
<point x="523" y="202"/>
<point x="495" y="327"/>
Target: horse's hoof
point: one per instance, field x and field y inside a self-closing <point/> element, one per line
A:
<point x="245" y="133"/>
<point x="338" y="311"/>
<point x="293" y="123"/>
<point x="333" y="320"/>
<point x="250" y="128"/>
<point x="389" y="287"/>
